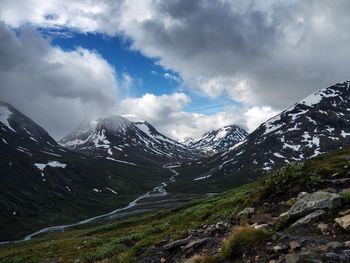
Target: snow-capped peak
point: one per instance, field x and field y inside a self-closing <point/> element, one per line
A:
<point x="119" y="139"/>
<point x="219" y="139"/>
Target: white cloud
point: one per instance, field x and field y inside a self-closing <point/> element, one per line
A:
<point x="171" y="77"/>
<point x="257" y="115"/>
<point x="56" y="88"/>
<point x="167" y="113"/>
<point x="81" y="15"/>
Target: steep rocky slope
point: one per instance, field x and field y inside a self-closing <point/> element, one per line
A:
<point x="43" y="184"/>
<point x="317" y="124"/>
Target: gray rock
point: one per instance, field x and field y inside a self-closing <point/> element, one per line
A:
<point x="344" y="222"/>
<point x="315" y="201"/>
<point x="292" y="258"/>
<point x="294" y="245"/>
<point x="322" y="227"/>
<point x="196" y="243"/>
<point x="310" y="218"/>
<point x="280" y="248"/>
<point x="248" y="211"/>
<point x="177" y="243"/>
<point x="334" y="245"/>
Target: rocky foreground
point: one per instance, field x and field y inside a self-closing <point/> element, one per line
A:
<point x="312" y="226"/>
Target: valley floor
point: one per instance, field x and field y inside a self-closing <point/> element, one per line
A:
<point x="246" y="224"/>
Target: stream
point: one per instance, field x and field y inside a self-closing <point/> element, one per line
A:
<point x="149" y="201"/>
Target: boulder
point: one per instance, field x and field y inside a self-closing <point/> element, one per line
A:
<point x="344" y="222"/>
<point x="248" y="211"/>
<point x="334" y="245"/>
<point x="312" y="202"/>
<point x="310" y="218"/>
<point x="177" y="243"/>
<point x="196" y="243"/>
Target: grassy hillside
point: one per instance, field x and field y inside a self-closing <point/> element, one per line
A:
<point x="137" y="238"/>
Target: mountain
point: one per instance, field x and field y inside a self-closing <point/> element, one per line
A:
<point x="118" y="139"/>
<point x="44" y="184"/>
<point x="317" y="124"/>
<point x="217" y="140"/>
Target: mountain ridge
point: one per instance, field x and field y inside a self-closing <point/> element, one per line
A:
<point x="314" y="125"/>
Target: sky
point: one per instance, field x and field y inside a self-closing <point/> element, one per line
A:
<point x="184" y="66"/>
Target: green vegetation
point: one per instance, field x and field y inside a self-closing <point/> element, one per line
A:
<point x="345" y="196"/>
<point x="290" y="178"/>
<point x="125" y="240"/>
<point x="129" y="240"/>
<point x="239" y="237"/>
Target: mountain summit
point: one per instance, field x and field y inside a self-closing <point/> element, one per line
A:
<point x="217" y="140"/>
<point x="119" y="139"/>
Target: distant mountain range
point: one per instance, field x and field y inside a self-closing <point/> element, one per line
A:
<point x="317" y="124"/>
<point x="217" y="140"/>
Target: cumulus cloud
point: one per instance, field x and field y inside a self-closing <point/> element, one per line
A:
<point x="171" y="77"/>
<point x="81" y="15"/>
<point x="257" y="115"/>
<point x="167" y="113"/>
<point x="56" y="88"/>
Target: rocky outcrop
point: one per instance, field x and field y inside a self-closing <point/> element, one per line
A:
<point x="316" y="201"/>
<point x="310" y="218"/>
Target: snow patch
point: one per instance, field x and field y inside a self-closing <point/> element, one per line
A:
<point x="114" y="192"/>
<point x="54" y="164"/>
<point x="202" y="177"/>
<point x="5" y="114"/>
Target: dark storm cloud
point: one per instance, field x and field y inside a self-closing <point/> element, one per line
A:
<point x="282" y="50"/>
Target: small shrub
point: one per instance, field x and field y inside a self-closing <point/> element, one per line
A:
<point x="345" y="197"/>
<point x="158" y="228"/>
<point x="242" y="236"/>
<point x="289" y="178"/>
